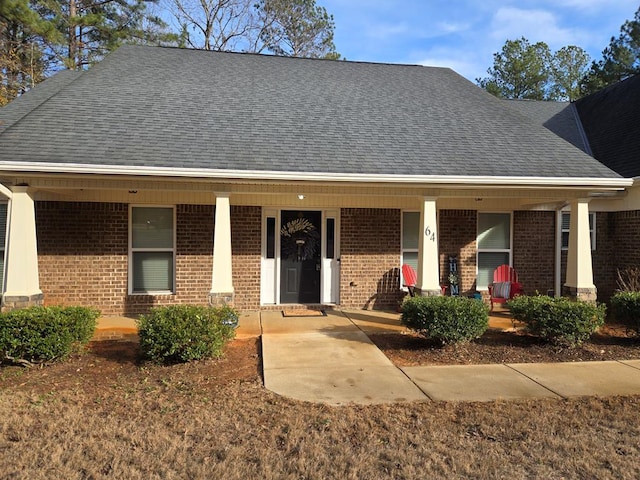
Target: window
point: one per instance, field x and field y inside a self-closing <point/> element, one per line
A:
<point x="152" y="257"/>
<point x="271" y="237"/>
<point x="410" y="239"/>
<point x="331" y="237"/>
<point x="566" y="220"/>
<point x="494" y="245"/>
<point x="3" y="233"/>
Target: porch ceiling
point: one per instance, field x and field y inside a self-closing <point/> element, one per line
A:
<point x="139" y="189"/>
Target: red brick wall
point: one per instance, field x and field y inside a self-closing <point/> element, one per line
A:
<point x="370" y="258"/>
<point x="246" y="238"/>
<point x="534" y="238"/>
<point x="83" y="256"/>
<point x="458" y="230"/>
<point x="625" y="229"/>
<point x="607" y="249"/>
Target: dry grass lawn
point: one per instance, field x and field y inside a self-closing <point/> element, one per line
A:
<point x="106" y="416"/>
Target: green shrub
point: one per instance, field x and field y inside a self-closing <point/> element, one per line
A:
<point x="625" y="307"/>
<point x="41" y="334"/>
<point x="446" y="319"/>
<point x="558" y="320"/>
<point x="180" y="333"/>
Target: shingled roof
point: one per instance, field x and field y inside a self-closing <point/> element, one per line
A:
<point x="559" y="117"/>
<point x="172" y="108"/>
<point x="611" y="120"/>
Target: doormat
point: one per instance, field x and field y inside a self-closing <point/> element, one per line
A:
<point x="303" y="312"/>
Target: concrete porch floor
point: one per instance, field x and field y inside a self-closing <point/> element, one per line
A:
<point x="250" y="323"/>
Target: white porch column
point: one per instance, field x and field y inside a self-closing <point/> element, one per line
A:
<point x="22" y="285"/>
<point x="579" y="282"/>
<point x="222" y="279"/>
<point x="428" y="257"/>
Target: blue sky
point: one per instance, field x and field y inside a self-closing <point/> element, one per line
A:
<point x="464" y="34"/>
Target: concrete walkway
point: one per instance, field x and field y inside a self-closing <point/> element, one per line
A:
<point x="331" y="360"/>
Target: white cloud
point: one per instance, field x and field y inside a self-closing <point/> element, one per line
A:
<point x="511" y="23"/>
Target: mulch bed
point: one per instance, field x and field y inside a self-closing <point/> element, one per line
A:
<point x="407" y="349"/>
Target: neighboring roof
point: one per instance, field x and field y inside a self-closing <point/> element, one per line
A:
<point x="170" y="109"/>
<point x="611" y="120"/>
<point x="559" y="117"/>
<point x="24" y="104"/>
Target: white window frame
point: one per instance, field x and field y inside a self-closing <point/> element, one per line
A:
<point x="406" y="250"/>
<point x="492" y="250"/>
<point x="132" y="250"/>
<point x="592" y="230"/>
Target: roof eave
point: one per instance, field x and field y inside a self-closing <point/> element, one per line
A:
<point x="257" y="175"/>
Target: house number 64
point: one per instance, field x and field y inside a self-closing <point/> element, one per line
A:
<point x="431" y="235"/>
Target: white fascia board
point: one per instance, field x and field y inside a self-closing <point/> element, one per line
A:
<point x="203" y="173"/>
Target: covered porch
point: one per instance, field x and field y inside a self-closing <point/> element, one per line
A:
<point x="360" y="269"/>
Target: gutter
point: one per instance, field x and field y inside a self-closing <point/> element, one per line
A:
<point x="462" y="180"/>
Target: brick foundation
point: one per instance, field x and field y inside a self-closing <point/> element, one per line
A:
<point x="370" y="257"/>
<point x="16" y="302"/>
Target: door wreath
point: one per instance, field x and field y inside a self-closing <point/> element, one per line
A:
<point x="300" y="239"/>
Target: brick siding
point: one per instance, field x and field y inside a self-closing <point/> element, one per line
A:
<point x="246" y="247"/>
<point x="370" y="257"/>
<point x="617" y="238"/>
<point x="458" y="230"/>
<point x="604" y="257"/>
<point x="83" y="256"/>
<point x="534" y="239"/>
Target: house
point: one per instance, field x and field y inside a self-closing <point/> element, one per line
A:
<point x="164" y="176"/>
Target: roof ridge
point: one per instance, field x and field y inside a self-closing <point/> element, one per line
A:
<point x="285" y="57"/>
<point x="581" y="132"/>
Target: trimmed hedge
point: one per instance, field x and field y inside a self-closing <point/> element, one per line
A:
<point x="446" y="319"/>
<point x="181" y="333"/>
<point x="43" y="334"/>
<point x="625" y="307"/>
<point x="558" y="320"/>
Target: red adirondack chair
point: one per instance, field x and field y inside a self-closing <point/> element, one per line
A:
<point x="505" y="285"/>
<point x="410" y="279"/>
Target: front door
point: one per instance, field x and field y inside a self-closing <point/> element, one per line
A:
<point x="300" y="256"/>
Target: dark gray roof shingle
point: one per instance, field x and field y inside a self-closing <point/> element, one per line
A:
<point x="174" y="108"/>
<point x="611" y="120"/>
<point x="559" y="117"/>
<point x="25" y="104"/>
